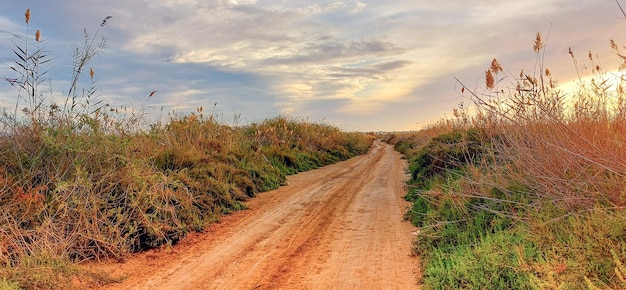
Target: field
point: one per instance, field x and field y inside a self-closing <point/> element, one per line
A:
<point x="526" y="192"/>
<point x="525" y="189"/>
<point x="82" y="181"/>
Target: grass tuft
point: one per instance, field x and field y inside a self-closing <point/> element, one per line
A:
<point x="80" y="181"/>
<point x="527" y="191"/>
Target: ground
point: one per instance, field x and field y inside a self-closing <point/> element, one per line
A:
<point x="338" y="227"/>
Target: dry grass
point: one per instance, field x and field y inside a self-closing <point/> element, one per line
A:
<point x="547" y="191"/>
<point x="79" y="181"/>
<point x="558" y="143"/>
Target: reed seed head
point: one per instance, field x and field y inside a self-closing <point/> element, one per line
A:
<point x="104" y="22"/>
<point x="27" y="15"/>
<point x="91" y="73"/>
<point x="489" y="80"/>
<point x="495" y="66"/>
<point x="538" y="43"/>
<point x="38" y="35"/>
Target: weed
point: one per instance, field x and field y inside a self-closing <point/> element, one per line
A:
<point x="527" y="192"/>
<point x="79" y="182"/>
<point x="8" y="285"/>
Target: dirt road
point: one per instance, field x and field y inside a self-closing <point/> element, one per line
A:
<point x="338" y="227"/>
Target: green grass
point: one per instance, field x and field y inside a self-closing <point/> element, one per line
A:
<point x="494" y="261"/>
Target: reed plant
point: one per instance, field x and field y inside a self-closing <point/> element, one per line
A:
<point x="526" y="192"/>
<point x="81" y="181"/>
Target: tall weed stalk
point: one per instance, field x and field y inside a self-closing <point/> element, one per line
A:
<point x="528" y="190"/>
<point x="79" y="182"/>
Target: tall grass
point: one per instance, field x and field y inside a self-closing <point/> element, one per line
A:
<point x="80" y="181"/>
<point x="528" y="191"/>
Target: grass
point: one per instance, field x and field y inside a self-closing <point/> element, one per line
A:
<point x="81" y="181"/>
<point x="526" y="192"/>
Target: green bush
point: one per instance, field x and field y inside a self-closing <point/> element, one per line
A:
<point x="447" y="152"/>
<point x="494" y="261"/>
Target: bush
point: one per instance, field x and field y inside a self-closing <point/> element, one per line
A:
<point x="527" y="193"/>
<point x="82" y="181"/>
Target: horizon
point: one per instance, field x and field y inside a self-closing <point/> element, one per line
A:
<point x="358" y="65"/>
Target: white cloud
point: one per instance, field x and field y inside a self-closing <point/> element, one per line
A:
<point x="240" y="2"/>
<point x="347" y="60"/>
<point x="8" y="27"/>
<point x="309" y="50"/>
<point x="304" y="55"/>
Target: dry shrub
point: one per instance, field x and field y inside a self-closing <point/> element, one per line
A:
<point x="535" y="200"/>
<point x="81" y="181"/>
<point x="556" y="168"/>
<point x="566" y="147"/>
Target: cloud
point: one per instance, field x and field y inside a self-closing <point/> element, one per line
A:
<point x="8" y="27"/>
<point x="382" y="64"/>
<point x="301" y="54"/>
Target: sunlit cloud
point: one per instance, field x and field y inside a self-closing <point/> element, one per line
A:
<point x="362" y="65"/>
<point x="304" y="57"/>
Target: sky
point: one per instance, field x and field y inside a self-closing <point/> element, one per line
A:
<point x="360" y="65"/>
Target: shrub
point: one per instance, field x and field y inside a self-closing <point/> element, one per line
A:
<point x="79" y="181"/>
<point x="528" y="192"/>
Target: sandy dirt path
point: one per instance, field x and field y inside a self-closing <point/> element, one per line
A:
<point x="338" y="227"/>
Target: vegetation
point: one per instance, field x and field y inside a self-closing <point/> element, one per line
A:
<point x="528" y="191"/>
<point x="81" y="181"/>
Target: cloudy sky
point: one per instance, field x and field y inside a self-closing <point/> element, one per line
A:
<point x="357" y="64"/>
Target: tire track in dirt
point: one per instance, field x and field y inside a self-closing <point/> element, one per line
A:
<point x="338" y="227"/>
